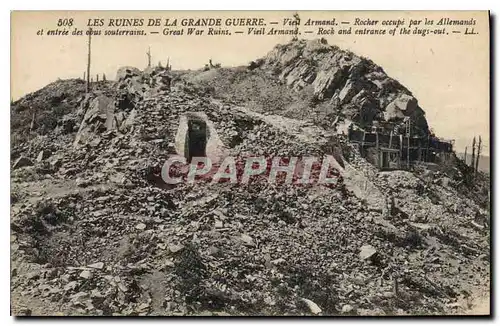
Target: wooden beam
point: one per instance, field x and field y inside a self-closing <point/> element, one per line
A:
<point x="400" y="145"/>
<point x="88" y="59"/>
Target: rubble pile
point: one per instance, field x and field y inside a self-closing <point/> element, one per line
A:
<point x="96" y="232"/>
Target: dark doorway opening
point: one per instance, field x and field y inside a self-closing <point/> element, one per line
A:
<point x="197" y="139"/>
<point x="385" y="160"/>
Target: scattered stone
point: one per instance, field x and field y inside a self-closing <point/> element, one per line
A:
<point x="86" y="274"/>
<point x="278" y="261"/>
<point x="247" y="240"/>
<point x="213" y="250"/>
<point x="43" y="155"/>
<point x="55" y="163"/>
<point x="24" y="311"/>
<point x="127" y="72"/>
<point x="388" y="294"/>
<point x="79" y="297"/>
<point x="122" y="287"/>
<point x="98" y="265"/>
<point x="81" y="182"/>
<point x="347" y="308"/>
<point x="140" y="226"/>
<point x="367" y="252"/>
<point x="221" y="314"/>
<point x="313" y="307"/>
<point x="22" y="162"/>
<point x="173" y="248"/>
<point x="169" y="263"/>
<point x="34" y="275"/>
<point x="143" y="306"/>
<point x="205" y="313"/>
<point x="70" y="286"/>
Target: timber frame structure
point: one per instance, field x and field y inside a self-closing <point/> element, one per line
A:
<point x="397" y="151"/>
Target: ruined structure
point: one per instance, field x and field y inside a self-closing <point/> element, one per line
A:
<point x="196" y="137"/>
<point x="397" y="151"/>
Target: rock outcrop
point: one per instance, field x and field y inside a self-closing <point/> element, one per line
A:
<point x="354" y="87"/>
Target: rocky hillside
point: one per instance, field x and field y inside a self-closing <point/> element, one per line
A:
<point x="324" y="84"/>
<point x="94" y="231"/>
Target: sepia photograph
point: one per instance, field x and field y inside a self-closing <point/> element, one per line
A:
<point x="250" y="163"/>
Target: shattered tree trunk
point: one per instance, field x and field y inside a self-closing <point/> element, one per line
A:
<point x="32" y="122"/>
<point x="465" y="155"/>
<point x="297" y="20"/>
<point x="88" y="60"/>
<point x="473" y="152"/>
<point x="149" y="57"/>
<point x="32" y="125"/>
<point x="477" y="155"/>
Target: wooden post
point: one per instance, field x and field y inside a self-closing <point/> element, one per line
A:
<point x="408" y="149"/>
<point x="32" y="122"/>
<point x="428" y="145"/>
<point x="297" y="21"/>
<point x="478" y="154"/>
<point x="32" y="125"/>
<point x="400" y="146"/>
<point x="149" y="56"/>
<point x="363" y="142"/>
<point x="473" y="152"/>
<point x="88" y="59"/>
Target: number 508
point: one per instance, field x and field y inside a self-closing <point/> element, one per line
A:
<point x="65" y="22"/>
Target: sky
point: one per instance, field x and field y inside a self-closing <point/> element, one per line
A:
<point x="449" y="75"/>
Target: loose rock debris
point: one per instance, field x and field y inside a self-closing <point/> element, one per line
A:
<point x="95" y="231"/>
